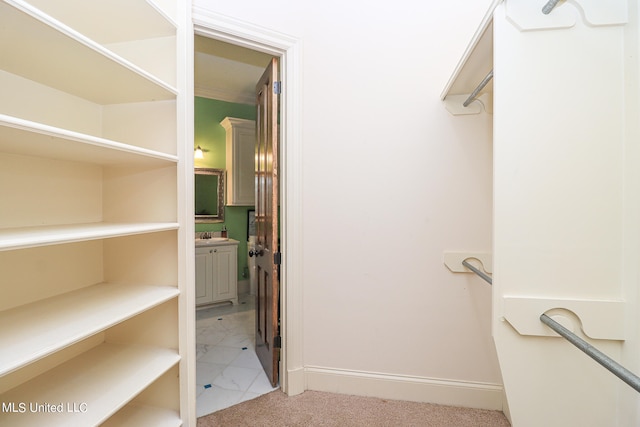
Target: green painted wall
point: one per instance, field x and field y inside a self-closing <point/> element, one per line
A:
<point x="211" y="137"/>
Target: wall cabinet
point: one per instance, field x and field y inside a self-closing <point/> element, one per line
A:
<point x="216" y="273"/>
<point x="240" y="149"/>
<point x="90" y="148"/>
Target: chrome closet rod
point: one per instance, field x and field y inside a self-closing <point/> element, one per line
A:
<point x="549" y="6"/>
<point x="482" y="274"/>
<point x="477" y="90"/>
<point x="614" y="367"/>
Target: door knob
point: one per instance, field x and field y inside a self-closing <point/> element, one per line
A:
<point x="256" y="252"/>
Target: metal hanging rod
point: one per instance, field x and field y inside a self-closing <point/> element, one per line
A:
<point x="614" y="367"/>
<point x="480" y="273"/>
<point x="477" y="90"/>
<point x="549" y="6"/>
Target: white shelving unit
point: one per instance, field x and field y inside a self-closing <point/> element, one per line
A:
<point x="119" y="373"/>
<point x="92" y="287"/>
<point x="561" y="244"/>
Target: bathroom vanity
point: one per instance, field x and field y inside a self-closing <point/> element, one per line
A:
<point x="216" y="271"/>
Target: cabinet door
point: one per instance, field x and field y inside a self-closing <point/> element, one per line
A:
<point x="244" y="173"/>
<point x="204" y="276"/>
<point x="225" y="281"/>
<point x="241" y="142"/>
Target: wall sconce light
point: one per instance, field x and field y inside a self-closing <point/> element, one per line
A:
<point x="198" y="154"/>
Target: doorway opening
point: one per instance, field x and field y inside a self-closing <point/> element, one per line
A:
<point x="227" y="368"/>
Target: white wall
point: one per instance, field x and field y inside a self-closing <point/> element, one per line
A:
<point x="390" y="180"/>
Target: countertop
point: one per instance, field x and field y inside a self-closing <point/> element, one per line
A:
<point x="215" y="241"/>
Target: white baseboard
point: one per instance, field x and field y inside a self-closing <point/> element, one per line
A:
<point x="294" y="382"/>
<point x="414" y="389"/>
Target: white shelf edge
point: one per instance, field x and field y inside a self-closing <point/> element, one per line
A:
<point x="134" y="415"/>
<point x="28" y="237"/>
<point x="90" y="44"/>
<point x="70" y="318"/>
<point x="484" y="24"/>
<point x="162" y="13"/>
<point x="84" y="139"/>
<point x="104" y="378"/>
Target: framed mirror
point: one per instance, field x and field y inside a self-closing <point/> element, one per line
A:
<point x="209" y="195"/>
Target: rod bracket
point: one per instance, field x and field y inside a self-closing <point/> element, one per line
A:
<point x="453" y="261"/>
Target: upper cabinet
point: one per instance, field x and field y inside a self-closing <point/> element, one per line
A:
<point x="240" y="149"/>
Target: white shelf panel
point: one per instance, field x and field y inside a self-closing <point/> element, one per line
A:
<point x="18" y="136"/>
<point x="28" y="237"/>
<point x="69" y="61"/>
<point x="144" y="416"/>
<point x="101" y="381"/>
<point x="477" y="60"/>
<point x="44" y="327"/>
<point x="96" y="18"/>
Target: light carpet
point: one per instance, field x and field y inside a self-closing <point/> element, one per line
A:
<point x="314" y="408"/>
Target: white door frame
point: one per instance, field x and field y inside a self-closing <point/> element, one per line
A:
<point x="213" y="25"/>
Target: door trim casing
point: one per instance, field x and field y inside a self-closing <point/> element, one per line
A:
<point x="289" y="49"/>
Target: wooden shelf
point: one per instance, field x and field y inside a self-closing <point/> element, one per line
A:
<point x="104" y="378"/>
<point x="44" y="327"/>
<point x="28" y="237"/>
<point x="69" y="61"/>
<point x="473" y="67"/>
<point x="138" y="415"/>
<point x="18" y="136"/>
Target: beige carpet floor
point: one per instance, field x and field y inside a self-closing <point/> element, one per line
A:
<point x="313" y="408"/>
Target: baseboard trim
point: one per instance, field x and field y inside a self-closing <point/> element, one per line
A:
<point x="414" y="389"/>
<point x="295" y="382"/>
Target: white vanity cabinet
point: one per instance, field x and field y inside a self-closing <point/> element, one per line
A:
<point x="240" y="149"/>
<point x="216" y="272"/>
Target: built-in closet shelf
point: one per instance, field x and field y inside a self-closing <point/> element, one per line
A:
<point x="104" y="378"/>
<point x="46" y="326"/>
<point x="28" y="237"/>
<point x="18" y="136"/>
<point x="138" y="415"/>
<point x="143" y="19"/>
<point x="473" y="67"/>
<point x="39" y="48"/>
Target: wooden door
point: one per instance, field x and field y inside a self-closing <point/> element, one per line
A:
<point x="267" y="243"/>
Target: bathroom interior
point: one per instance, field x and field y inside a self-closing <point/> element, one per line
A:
<point x="227" y="369"/>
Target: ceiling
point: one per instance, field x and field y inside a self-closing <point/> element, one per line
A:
<point x="227" y="72"/>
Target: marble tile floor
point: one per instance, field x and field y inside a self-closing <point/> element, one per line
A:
<point x="227" y="368"/>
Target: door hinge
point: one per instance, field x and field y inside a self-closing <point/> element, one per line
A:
<point x="277" y="342"/>
<point x="277" y="87"/>
<point x="277" y="258"/>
